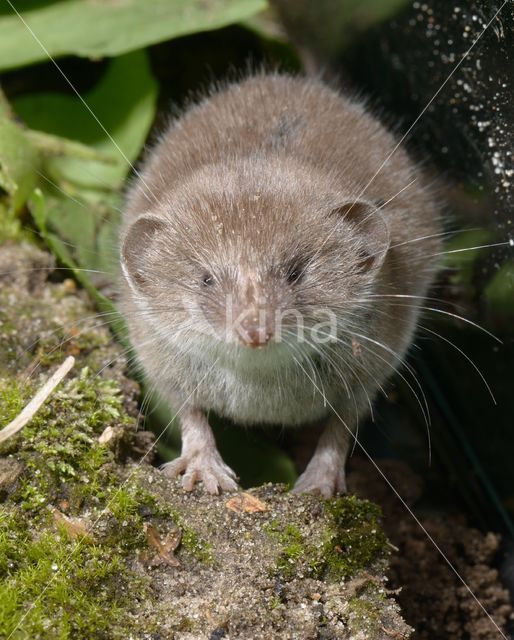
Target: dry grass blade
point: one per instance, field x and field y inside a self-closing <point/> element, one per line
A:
<point x="37" y="401"/>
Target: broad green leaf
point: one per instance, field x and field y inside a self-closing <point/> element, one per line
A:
<point x="76" y="207"/>
<point x="50" y="145"/>
<point x="255" y="460"/>
<point x="42" y="215"/>
<point x="80" y="228"/>
<point x="18" y="164"/>
<point x="89" y="231"/>
<point x="108" y="28"/>
<point x="123" y="103"/>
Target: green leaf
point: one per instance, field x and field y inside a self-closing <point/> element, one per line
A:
<point x="77" y="207"/>
<point x="41" y="215"/>
<point x="254" y="459"/>
<point x="61" y="250"/>
<point x="18" y="164"/>
<point x="50" y="145"/>
<point x="124" y="102"/>
<point x="108" y="28"/>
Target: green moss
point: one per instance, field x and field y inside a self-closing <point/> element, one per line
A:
<point x="60" y="445"/>
<point x="192" y="542"/>
<point x="53" y="587"/>
<point x="127" y="529"/>
<point x="131" y="500"/>
<point x="185" y="625"/>
<point x="293" y="547"/>
<point x="89" y="585"/>
<point x="85" y="342"/>
<point x="364" y="615"/>
<point x="13" y="396"/>
<point x="353" y="539"/>
<point x="11" y="359"/>
<point x="69" y="589"/>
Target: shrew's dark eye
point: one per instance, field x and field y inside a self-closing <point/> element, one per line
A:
<point x="295" y="272"/>
<point x="207" y="280"/>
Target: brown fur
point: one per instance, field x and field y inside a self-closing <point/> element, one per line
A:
<point x="261" y="182"/>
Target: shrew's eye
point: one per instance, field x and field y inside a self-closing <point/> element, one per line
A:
<point x="207" y="280"/>
<point x="295" y="272"/>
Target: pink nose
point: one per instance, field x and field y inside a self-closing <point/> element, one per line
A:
<point x="255" y="337"/>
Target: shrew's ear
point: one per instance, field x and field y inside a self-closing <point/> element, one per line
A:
<point x="136" y="250"/>
<point x="367" y="220"/>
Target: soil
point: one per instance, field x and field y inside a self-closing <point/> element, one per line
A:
<point x="433" y="598"/>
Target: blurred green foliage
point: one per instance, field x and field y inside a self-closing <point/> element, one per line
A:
<point x="97" y="29"/>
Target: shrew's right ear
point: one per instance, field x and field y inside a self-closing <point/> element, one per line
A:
<point x="137" y="248"/>
<point x="367" y="219"/>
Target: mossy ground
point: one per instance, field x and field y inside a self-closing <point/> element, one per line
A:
<point x="52" y="585"/>
<point x="75" y="557"/>
<point x="353" y="539"/>
<point x="55" y="587"/>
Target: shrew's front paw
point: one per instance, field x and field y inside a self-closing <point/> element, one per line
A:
<point x="326" y="482"/>
<point x="205" y="466"/>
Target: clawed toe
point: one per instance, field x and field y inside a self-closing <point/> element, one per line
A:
<point x="321" y="484"/>
<point x="175" y="467"/>
<point x="215" y="475"/>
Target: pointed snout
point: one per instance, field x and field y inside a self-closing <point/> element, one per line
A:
<point x="254" y="330"/>
<point x="252" y="313"/>
<point x="255" y="337"/>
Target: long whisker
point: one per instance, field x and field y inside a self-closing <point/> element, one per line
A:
<point x="446" y="313"/>
<point x="424" y="409"/>
<point x="442" y="234"/>
<point x="438" y="335"/>
<point x="61" y="190"/>
<point x="383" y="204"/>
<point x="51" y="269"/>
<point x="480" y="246"/>
<point x="296" y="349"/>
